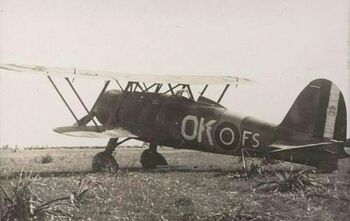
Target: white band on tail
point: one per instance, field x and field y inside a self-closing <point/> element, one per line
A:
<point x="332" y="111"/>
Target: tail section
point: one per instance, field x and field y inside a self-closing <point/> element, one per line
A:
<point x="314" y="130"/>
<point x="319" y="111"/>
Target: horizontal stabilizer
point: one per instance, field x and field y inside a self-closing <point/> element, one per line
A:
<point x="322" y="155"/>
<point x="285" y="147"/>
<point x="93" y="132"/>
<point x="109" y="75"/>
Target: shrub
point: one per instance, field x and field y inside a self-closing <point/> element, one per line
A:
<point x="46" y="159"/>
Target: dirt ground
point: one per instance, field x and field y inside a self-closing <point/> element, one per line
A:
<point x="195" y="186"/>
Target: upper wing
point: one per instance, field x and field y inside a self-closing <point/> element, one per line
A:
<point x="109" y="75"/>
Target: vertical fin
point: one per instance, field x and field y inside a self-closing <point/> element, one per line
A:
<point x="319" y="111"/>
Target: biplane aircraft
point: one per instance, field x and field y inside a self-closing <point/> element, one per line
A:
<point x="161" y="110"/>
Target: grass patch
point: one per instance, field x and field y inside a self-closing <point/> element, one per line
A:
<point x="222" y="193"/>
<point x="292" y="181"/>
<point x="20" y="202"/>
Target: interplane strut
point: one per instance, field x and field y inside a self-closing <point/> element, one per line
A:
<point x="89" y="117"/>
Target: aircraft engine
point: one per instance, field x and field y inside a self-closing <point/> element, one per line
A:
<point x="106" y="109"/>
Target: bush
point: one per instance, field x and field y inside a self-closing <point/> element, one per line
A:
<point x="46" y="159"/>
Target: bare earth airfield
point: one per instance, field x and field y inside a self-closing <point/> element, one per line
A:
<point x="195" y="186"/>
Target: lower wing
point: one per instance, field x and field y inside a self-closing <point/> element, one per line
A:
<point x="94" y="132"/>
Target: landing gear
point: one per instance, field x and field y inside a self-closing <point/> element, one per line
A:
<point x="104" y="161"/>
<point x="150" y="158"/>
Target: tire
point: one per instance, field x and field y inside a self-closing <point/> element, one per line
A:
<point x="150" y="159"/>
<point x="104" y="162"/>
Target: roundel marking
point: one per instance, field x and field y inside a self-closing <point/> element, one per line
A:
<point x="226" y="136"/>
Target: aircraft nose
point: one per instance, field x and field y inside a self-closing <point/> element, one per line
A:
<point x="107" y="106"/>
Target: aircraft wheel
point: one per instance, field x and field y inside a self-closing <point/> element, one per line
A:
<point x="150" y="159"/>
<point x="104" y="162"/>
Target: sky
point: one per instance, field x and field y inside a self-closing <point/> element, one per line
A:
<point x="282" y="45"/>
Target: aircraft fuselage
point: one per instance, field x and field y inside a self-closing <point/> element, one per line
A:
<point x="176" y="121"/>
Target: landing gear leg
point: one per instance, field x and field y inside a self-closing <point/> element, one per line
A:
<point x="150" y="158"/>
<point x="104" y="161"/>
